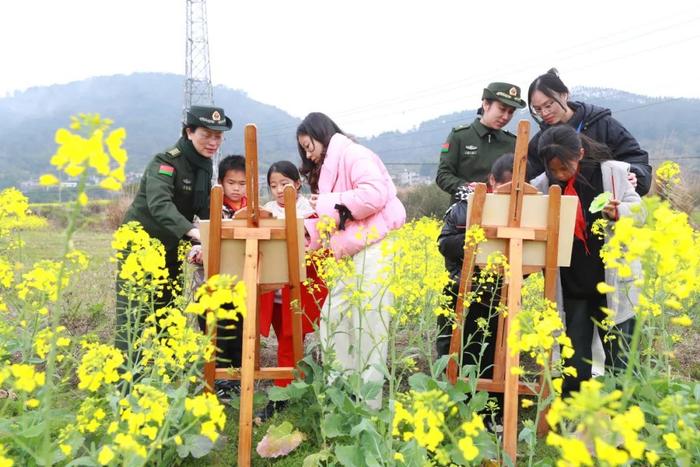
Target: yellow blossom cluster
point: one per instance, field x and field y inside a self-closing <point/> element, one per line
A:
<point x="668" y="173"/>
<point x="416" y="275"/>
<point x="538" y="327"/>
<point x="668" y="249"/>
<point x="220" y="297"/>
<point x="24" y="377"/>
<point x="144" y="411"/>
<point x="5" y="461"/>
<point x="602" y="427"/>
<point x="47" y="278"/>
<point x="78" y="152"/>
<point x="679" y="421"/>
<point x="423" y="416"/>
<point x="46" y="338"/>
<point x="207" y="408"/>
<point x="91" y="416"/>
<point x="99" y="365"/>
<point x="142" y="262"/>
<point x="172" y="345"/>
<point x="15" y="213"/>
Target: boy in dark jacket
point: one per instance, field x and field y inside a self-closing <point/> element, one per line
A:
<point x="451" y="245"/>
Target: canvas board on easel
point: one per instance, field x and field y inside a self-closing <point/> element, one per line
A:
<point x="534" y="215"/>
<point x="273" y="253"/>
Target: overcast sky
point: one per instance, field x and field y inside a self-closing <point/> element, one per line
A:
<point x="372" y="65"/>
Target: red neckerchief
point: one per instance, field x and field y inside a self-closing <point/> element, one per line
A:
<point x="580" y="227"/>
<point x="232" y="207"/>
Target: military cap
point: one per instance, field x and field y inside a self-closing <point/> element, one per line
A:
<point x="208" y="117"/>
<point x="508" y="94"/>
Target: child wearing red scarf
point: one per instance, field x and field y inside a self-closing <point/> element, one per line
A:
<point x="583" y="168"/>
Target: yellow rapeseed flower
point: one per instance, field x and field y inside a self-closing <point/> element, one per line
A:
<point x="105" y="456"/>
<point x="100" y="364"/>
<point x="26" y="377"/>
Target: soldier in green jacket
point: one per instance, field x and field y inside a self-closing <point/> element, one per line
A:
<point x="174" y="188"/>
<point x="470" y="150"/>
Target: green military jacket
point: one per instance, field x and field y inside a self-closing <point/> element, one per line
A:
<point x="164" y="202"/>
<point x="469" y="153"/>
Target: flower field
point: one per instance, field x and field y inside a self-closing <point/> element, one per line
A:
<point x="69" y="396"/>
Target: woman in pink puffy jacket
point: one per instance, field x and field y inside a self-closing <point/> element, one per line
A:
<point x="350" y="184"/>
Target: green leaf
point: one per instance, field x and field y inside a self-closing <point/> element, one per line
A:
<point x="277" y="394"/>
<point x="85" y="460"/>
<point x="419" y="382"/>
<point x="314" y="460"/>
<point x="182" y="450"/>
<point x="348" y="456"/>
<point x="333" y="425"/>
<point x="364" y="425"/>
<point x="440" y="365"/>
<point x="371" y="460"/>
<point x="198" y="445"/>
<point x="283" y="429"/>
<point x="600" y="201"/>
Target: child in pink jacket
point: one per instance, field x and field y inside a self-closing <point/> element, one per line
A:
<point x="350" y="184"/>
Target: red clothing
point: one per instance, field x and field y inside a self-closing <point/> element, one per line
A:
<point x="279" y="315"/>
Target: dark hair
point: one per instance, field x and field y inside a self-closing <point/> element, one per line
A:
<point x="188" y="127"/>
<point x="321" y="128"/>
<point x="502" y="166"/>
<point x="233" y="162"/>
<point x="481" y="107"/>
<point x="550" y="85"/>
<point x="564" y="143"/>
<point x="286" y="168"/>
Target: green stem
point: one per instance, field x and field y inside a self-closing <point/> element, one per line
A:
<point x="47" y="399"/>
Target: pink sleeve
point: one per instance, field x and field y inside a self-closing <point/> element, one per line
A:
<point x="369" y="193"/>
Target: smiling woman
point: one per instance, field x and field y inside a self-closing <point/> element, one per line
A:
<point x="173" y="190"/>
<point x="549" y="104"/>
<point x="471" y="150"/>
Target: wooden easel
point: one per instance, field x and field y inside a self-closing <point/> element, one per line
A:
<point x="259" y="228"/>
<point x="503" y="380"/>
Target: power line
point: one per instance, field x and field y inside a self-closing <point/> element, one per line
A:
<point x="568" y="55"/>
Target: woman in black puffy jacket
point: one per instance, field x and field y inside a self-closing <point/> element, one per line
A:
<point x="548" y="100"/>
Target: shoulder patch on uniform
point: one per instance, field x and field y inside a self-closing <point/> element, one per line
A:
<point x="445" y="148"/>
<point x="166" y="169"/>
<point x="461" y="127"/>
<point x="174" y="152"/>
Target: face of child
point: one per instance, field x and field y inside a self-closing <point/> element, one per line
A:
<point x="562" y="171"/>
<point x="234" y="184"/>
<point x="312" y="147"/>
<point x="278" y="182"/>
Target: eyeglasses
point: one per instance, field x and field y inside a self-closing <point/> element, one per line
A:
<point x="211" y="136"/>
<point x="547" y="107"/>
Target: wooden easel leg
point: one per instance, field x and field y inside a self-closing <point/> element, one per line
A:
<point x="510" y="406"/>
<point x="551" y="272"/>
<point x="245" y="427"/>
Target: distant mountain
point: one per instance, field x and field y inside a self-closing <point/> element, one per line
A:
<point x="149" y="106"/>
<point x="665" y="127"/>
